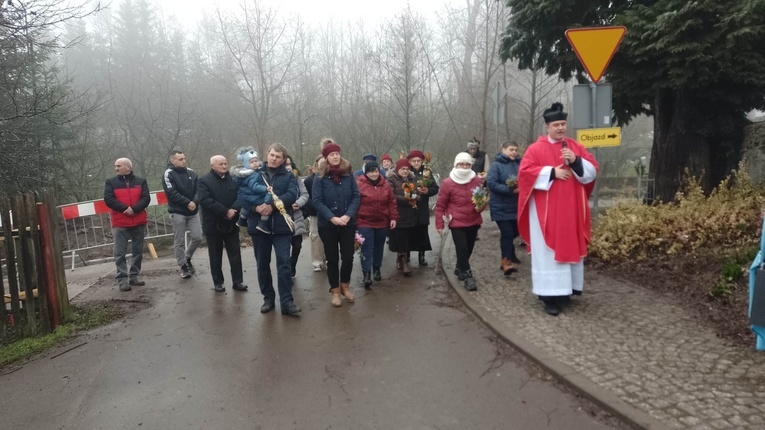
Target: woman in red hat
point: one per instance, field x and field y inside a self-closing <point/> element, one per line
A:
<point x="336" y="199"/>
<point x="426" y="188"/>
<point x="402" y="181"/>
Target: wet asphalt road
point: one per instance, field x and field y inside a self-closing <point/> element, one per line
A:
<point x="400" y="357"/>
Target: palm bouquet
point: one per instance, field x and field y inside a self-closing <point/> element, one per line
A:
<point x="427" y="173"/>
<point x="358" y="241"/>
<point x="280" y="206"/>
<point x="480" y="197"/>
<point x="410" y="193"/>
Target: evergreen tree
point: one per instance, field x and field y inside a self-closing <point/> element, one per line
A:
<point x="697" y="67"/>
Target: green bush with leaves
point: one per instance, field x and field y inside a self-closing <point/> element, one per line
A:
<point x="729" y="218"/>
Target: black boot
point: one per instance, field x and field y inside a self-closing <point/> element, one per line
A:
<point x="367" y="281"/>
<point x="376" y="273"/>
<point x="460" y="274"/>
<point x="469" y="280"/>
<point x="421" y="261"/>
<point x="514" y="258"/>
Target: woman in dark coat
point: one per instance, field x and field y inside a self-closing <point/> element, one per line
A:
<point x="336" y="199"/>
<point x="502" y="181"/>
<point x="407" y="201"/>
<point x="421" y="239"/>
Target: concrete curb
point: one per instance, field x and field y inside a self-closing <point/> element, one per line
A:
<point x="563" y="372"/>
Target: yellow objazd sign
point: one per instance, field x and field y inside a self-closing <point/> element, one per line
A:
<point x="593" y="137"/>
<point x="595" y="47"/>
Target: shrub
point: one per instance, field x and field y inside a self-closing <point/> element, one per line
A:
<point x="729" y="218"/>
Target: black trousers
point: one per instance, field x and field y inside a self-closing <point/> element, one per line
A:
<point x="338" y="243"/>
<point x="297" y="245"/>
<point x="464" y="242"/>
<point x="215" y="245"/>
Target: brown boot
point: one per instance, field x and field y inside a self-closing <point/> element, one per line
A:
<point x="345" y="289"/>
<point x="405" y="265"/>
<point x="336" y="297"/>
<point x="398" y="260"/>
<point x="507" y="266"/>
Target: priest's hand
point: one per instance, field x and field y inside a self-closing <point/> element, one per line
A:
<point x="568" y="155"/>
<point x="561" y="172"/>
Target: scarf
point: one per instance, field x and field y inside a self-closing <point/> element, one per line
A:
<point x="335" y="172"/>
<point x="462" y="176"/>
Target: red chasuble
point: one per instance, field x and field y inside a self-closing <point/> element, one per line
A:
<point x="564" y="214"/>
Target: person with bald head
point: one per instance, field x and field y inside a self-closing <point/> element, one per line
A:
<point x="127" y="196"/>
<point x="220" y="212"/>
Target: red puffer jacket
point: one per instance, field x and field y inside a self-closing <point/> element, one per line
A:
<point x="456" y="200"/>
<point x="378" y="205"/>
<point x="121" y="192"/>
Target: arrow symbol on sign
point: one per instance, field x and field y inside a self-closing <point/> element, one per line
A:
<point x="612" y="136"/>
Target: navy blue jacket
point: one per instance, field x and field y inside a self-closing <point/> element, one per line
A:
<point x="503" y="202"/>
<point x="335" y="200"/>
<point x="285" y="186"/>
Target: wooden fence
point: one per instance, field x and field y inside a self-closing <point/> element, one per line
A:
<point x="32" y="279"/>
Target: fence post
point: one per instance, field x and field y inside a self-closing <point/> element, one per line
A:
<point x="49" y="254"/>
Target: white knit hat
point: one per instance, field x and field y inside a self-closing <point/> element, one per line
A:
<point x="463" y="157"/>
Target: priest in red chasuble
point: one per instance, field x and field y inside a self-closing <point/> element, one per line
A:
<point x="555" y="180"/>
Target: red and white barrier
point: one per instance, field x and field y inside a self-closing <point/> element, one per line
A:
<point x="96" y="207"/>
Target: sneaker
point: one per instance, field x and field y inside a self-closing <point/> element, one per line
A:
<point x="263" y="227"/>
<point x="460" y="274"/>
<point x="242" y="222"/>
<point x="124" y="286"/>
<point x="137" y="282"/>
<point x="192" y="270"/>
<point x="185" y="272"/>
<point x="469" y="280"/>
<point x="317" y="267"/>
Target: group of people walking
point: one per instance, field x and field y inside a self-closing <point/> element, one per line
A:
<point x="361" y="210"/>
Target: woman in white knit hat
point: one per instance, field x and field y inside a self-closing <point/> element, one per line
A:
<point x="455" y="202"/>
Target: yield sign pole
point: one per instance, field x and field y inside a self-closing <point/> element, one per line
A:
<point x="595" y="47"/>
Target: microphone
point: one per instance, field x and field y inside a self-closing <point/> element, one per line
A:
<point x="564" y="145"/>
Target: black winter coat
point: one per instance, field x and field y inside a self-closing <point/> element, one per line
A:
<point x="423" y="206"/>
<point x="180" y="185"/>
<point x="216" y="196"/>
<point x="407" y="215"/>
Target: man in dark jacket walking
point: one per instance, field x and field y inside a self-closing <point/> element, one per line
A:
<point x="502" y="181"/>
<point x="180" y="184"/>
<point x="284" y="185"/>
<point x="127" y="196"/>
<point x="220" y="211"/>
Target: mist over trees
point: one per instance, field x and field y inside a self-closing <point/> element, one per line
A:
<point x="129" y="81"/>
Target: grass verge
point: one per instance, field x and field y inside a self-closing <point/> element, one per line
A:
<point x="81" y="318"/>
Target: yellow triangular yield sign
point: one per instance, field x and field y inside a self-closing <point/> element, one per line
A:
<point x="595" y="46"/>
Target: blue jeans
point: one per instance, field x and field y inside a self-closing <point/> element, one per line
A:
<point x="121" y="237"/>
<point x="508" y="230"/>
<point x="280" y="243"/>
<point x="373" y="248"/>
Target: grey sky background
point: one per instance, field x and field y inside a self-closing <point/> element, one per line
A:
<point x="313" y="12"/>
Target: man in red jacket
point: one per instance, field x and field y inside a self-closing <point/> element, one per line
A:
<point x="127" y="195"/>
